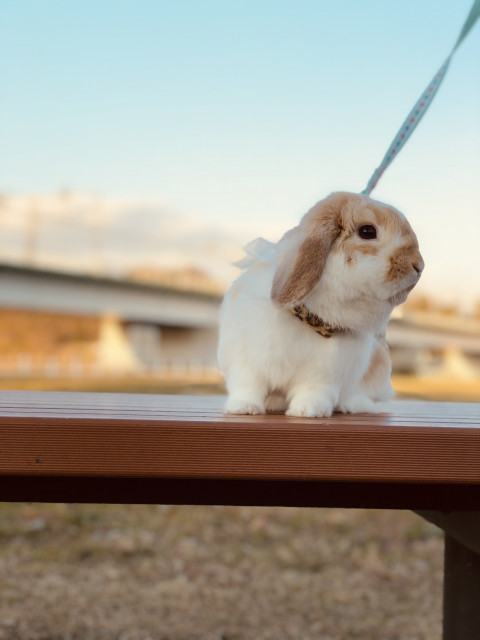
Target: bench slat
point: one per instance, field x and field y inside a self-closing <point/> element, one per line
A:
<point x="160" y="444"/>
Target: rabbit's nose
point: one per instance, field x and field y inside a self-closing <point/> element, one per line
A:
<point x="418" y="265"/>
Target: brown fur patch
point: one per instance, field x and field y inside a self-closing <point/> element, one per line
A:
<point x="368" y="249"/>
<point x="304" y="263"/>
<point x="350" y="248"/>
<point x="328" y="213"/>
<point x="299" y="280"/>
<point x="402" y="261"/>
<point x="390" y="219"/>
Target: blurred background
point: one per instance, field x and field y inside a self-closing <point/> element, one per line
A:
<point x="143" y="144"/>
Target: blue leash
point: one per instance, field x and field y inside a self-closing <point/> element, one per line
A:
<point x="422" y="104"/>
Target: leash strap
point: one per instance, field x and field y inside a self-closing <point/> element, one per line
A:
<point x="422" y="104"/>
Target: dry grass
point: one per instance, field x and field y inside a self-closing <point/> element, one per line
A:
<point x="40" y="333"/>
<point x="193" y="385"/>
<point x="406" y="386"/>
<point x="441" y="389"/>
<point x="91" y="572"/>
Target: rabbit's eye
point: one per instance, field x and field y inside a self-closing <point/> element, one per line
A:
<point x="367" y="232"/>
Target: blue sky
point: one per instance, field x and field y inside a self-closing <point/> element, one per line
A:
<point x="245" y="113"/>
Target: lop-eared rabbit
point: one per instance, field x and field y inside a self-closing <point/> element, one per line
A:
<point x="302" y="330"/>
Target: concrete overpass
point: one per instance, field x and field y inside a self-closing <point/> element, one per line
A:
<point x="160" y="324"/>
<point x="418" y="333"/>
<point x="143" y="326"/>
<point x="435" y="344"/>
<point x="134" y="302"/>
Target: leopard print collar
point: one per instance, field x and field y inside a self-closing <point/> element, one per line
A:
<point x="317" y="324"/>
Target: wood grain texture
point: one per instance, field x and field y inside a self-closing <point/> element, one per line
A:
<point x="171" y="440"/>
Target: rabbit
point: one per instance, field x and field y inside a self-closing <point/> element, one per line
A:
<point x="302" y="330"/>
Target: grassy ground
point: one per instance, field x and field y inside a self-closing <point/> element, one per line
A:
<point x="91" y="572"/>
<point x="109" y="572"/>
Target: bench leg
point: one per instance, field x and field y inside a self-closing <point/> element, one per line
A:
<point x="461" y="595"/>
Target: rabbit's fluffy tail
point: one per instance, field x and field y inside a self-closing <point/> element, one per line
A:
<point x="256" y="251"/>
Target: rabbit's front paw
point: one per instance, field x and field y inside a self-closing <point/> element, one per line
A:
<point x="243" y="406"/>
<point x="302" y="406"/>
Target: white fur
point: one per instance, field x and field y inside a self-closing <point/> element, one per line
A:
<point x="272" y="361"/>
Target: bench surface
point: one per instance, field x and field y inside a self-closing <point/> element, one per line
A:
<point x="126" y="448"/>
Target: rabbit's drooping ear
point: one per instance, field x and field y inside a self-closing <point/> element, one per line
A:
<point x="310" y="243"/>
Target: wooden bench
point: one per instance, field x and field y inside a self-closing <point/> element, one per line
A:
<point x="108" y="448"/>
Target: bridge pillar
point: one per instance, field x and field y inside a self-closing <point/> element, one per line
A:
<point x="145" y="342"/>
<point x="114" y="351"/>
